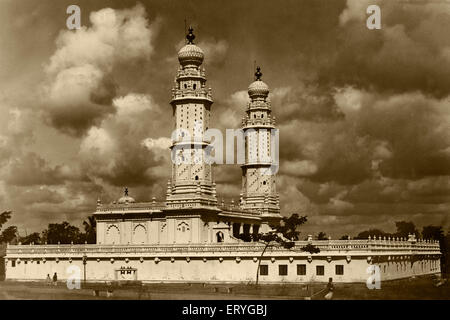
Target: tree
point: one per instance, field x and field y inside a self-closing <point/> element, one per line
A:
<point x="31" y="238"/>
<point x="90" y="229"/>
<point x="4" y="216"/>
<point x="433" y="233"/>
<point x="63" y="233"/>
<point x="322" y="236"/>
<point x="372" y="232"/>
<point x="9" y="234"/>
<point x="437" y="233"/>
<point x="345" y="237"/>
<point x="289" y="226"/>
<point x="284" y="234"/>
<point x="405" y="228"/>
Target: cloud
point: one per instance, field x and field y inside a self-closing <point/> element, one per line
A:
<point x="80" y="86"/>
<point x="408" y="53"/>
<point x="119" y="152"/>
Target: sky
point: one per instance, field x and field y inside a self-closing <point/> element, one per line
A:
<point x="363" y="114"/>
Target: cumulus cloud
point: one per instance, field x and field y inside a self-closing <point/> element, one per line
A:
<point x="80" y="85"/>
<point x="120" y="151"/>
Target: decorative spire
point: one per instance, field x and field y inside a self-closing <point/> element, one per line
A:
<point x="190" y="36"/>
<point x="125" y="192"/>
<point x="258" y="74"/>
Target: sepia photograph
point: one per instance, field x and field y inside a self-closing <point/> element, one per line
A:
<point x="213" y="150"/>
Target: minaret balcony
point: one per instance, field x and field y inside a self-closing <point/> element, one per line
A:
<point x="179" y="94"/>
<point x="191" y="73"/>
<point x="255" y="123"/>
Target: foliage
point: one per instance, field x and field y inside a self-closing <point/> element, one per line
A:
<point x="288" y="226"/>
<point x="405" y="228"/>
<point x="31" y="238"/>
<point x="371" y="233"/>
<point x="344" y="237"/>
<point x="310" y="248"/>
<point x="9" y="234"/>
<point x="63" y="233"/>
<point x="4" y="216"/>
<point x="90" y="229"/>
<point x="322" y="236"/>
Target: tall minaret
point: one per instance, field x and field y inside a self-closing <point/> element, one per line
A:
<point x="258" y="180"/>
<point x="191" y="183"/>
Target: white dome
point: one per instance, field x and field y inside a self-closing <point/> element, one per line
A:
<point x="190" y="54"/>
<point x="258" y="89"/>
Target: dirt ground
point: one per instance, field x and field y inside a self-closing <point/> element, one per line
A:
<point x="416" y="289"/>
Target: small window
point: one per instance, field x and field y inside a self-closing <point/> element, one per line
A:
<point x="185" y="86"/>
<point x="264" y="270"/>
<point x="264" y="183"/>
<point x="283" y="269"/>
<point x="254" y="116"/>
<point x="196" y="177"/>
<point x="339" y="269"/>
<point x="301" y="269"/>
<point x="195" y="86"/>
<point x="320" y="270"/>
<point x="25" y="262"/>
<point x="38" y="262"/>
<point x="262" y="116"/>
<point x="13" y="263"/>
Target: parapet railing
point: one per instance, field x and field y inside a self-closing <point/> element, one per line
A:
<point x="373" y="246"/>
<point x="131" y="206"/>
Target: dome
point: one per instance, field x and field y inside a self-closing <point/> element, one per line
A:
<point x="258" y="89"/>
<point x="190" y="54"/>
<point x="126" y="198"/>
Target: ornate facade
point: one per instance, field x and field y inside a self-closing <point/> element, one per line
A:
<point x="191" y="212"/>
<point x="193" y="237"/>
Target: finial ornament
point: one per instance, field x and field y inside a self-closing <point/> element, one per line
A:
<point x="258" y="73"/>
<point x="190" y="36"/>
<point x="126" y="191"/>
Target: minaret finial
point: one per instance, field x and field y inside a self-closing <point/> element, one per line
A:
<point x="126" y="191"/>
<point x="190" y="36"/>
<point x="258" y="73"/>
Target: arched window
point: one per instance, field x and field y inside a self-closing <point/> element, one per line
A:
<point x="196" y="177"/>
<point x="219" y="236"/>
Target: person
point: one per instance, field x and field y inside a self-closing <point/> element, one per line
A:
<point x="330" y="288"/>
<point x="48" y="280"/>
<point x="55" y="279"/>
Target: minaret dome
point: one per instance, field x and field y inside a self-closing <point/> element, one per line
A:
<point x="190" y="53"/>
<point x="258" y="89"/>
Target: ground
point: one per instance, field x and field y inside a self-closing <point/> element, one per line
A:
<point x="417" y="289"/>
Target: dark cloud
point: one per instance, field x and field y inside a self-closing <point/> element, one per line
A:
<point x="363" y="114"/>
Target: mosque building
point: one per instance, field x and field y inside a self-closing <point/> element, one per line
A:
<point x="193" y="237"/>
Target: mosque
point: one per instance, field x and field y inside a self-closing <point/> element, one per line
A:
<point x="192" y="237"/>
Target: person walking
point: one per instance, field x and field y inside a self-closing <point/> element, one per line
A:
<point x="55" y="279"/>
<point x="330" y="288"/>
<point x="48" y="280"/>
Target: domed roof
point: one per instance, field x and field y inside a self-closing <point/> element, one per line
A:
<point x="190" y="53"/>
<point x="126" y="198"/>
<point x="258" y="88"/>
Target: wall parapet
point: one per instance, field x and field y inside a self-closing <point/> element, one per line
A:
<point x="360" y="247"/>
